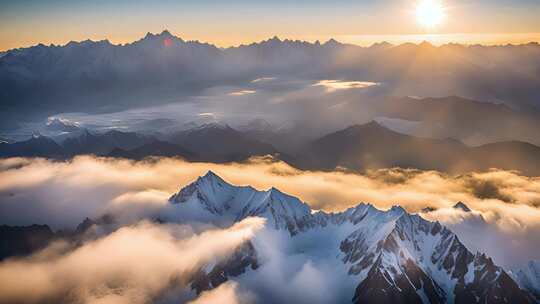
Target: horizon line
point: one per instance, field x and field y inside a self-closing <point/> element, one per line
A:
<point x="420" y="39"/>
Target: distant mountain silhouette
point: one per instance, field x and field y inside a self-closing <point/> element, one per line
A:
<point x="359" y="147"/>
<point x="102" y="144"/>
<point x="154" y="148"/>
<point x="84" y="143"/>
<point x="209" y="142"/>
<point x="471" y="121"/>
<point x="512" y="155"/>
<point x="97" y="76"/>
<point x="372" y="146"/>
<point x="36" y="146"/>
<point x="220" y="143"/>
<point x="23" y="240"/>
<point x="16" y="241"/>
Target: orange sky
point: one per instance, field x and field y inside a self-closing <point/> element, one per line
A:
<point x="26" y="23"/>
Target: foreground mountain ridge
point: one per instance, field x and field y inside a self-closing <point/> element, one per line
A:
<point x="377" y="256"/>
<point x="393" y="255"/>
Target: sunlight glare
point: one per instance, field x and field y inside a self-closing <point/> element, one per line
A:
<point x="430" y="13"/>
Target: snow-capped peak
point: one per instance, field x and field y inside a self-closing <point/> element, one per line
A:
<point x="62" y="124"/>
<point x="221" y="200"/>
<point x="392" y="254"/>
<point x="210" y="176"/>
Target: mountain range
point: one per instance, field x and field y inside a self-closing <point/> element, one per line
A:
<point x="377" y="256"/>
<point x="372" y="146"/>
<point x="358" y="148"/>
<point x="220" y="143"/>
<point x="97" y="76"/>
<point x="469" y="121"/>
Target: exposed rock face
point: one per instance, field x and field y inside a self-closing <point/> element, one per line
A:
<point x="18" y="240"/>
<point x="423" y="260"/>
<point x="243" y="259"/>
<point x="461" y="206"/>
<point x="383" y="287"/>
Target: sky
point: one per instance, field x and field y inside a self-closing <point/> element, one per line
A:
<point x="224" y="23"/>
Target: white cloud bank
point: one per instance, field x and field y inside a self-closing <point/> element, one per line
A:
<point x="62" y="194"/>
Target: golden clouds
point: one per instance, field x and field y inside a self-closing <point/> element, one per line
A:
<point x="113" y="183"/>
<point x="62" y="194"/>
<point x="134" y="264"/>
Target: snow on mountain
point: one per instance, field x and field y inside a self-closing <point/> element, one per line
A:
<point x="422" y="261"/>
<point x="528" y="277"/>
<point x="223" y="202"/>
<point x="379" y="256"/>
<point x="62" y="125"/>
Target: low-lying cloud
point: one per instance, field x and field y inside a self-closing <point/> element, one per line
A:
<point x="134" y="264"/>
<point x="334" y="85"/>
<point x="62" y="194"/>
<point x="225" y="293"/>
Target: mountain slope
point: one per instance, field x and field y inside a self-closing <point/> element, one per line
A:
<point x="17" y="241"/>
<point x="511" y="155"/>
<point x="154" y="148"/>
<point x="102" y="143"/>
<point x="220" y="143"/>
<point x="528" y="277"/>
<point x="375" y="256"/>
<point x="470" y="121"/>
<point x="209" y="142"/>
<point x="393" y="256"/>
<point x="213" y="199"/>
<point x="37" y="146"/>
<point x="420" y="260"/>
<point x="97" y="75"/>
<point x="372" y="146"/>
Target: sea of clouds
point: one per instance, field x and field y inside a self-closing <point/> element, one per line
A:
<point x="504" y="223"/>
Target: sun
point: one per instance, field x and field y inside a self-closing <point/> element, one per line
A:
<point x="430" y="13"/>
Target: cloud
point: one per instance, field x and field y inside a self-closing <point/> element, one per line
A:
<point x="146" y="81"/>
<point x="242" y="93"/>
<point x="209" y="114"/>
<point x="226" y="293"/>
<point x="62" y="194"/>
<point x="334" y="85"/>
<point x="302" y="269"/>
<point x="283" y="100"/>
<point x="117" y="268"/>
<point x="263" y="79"/>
